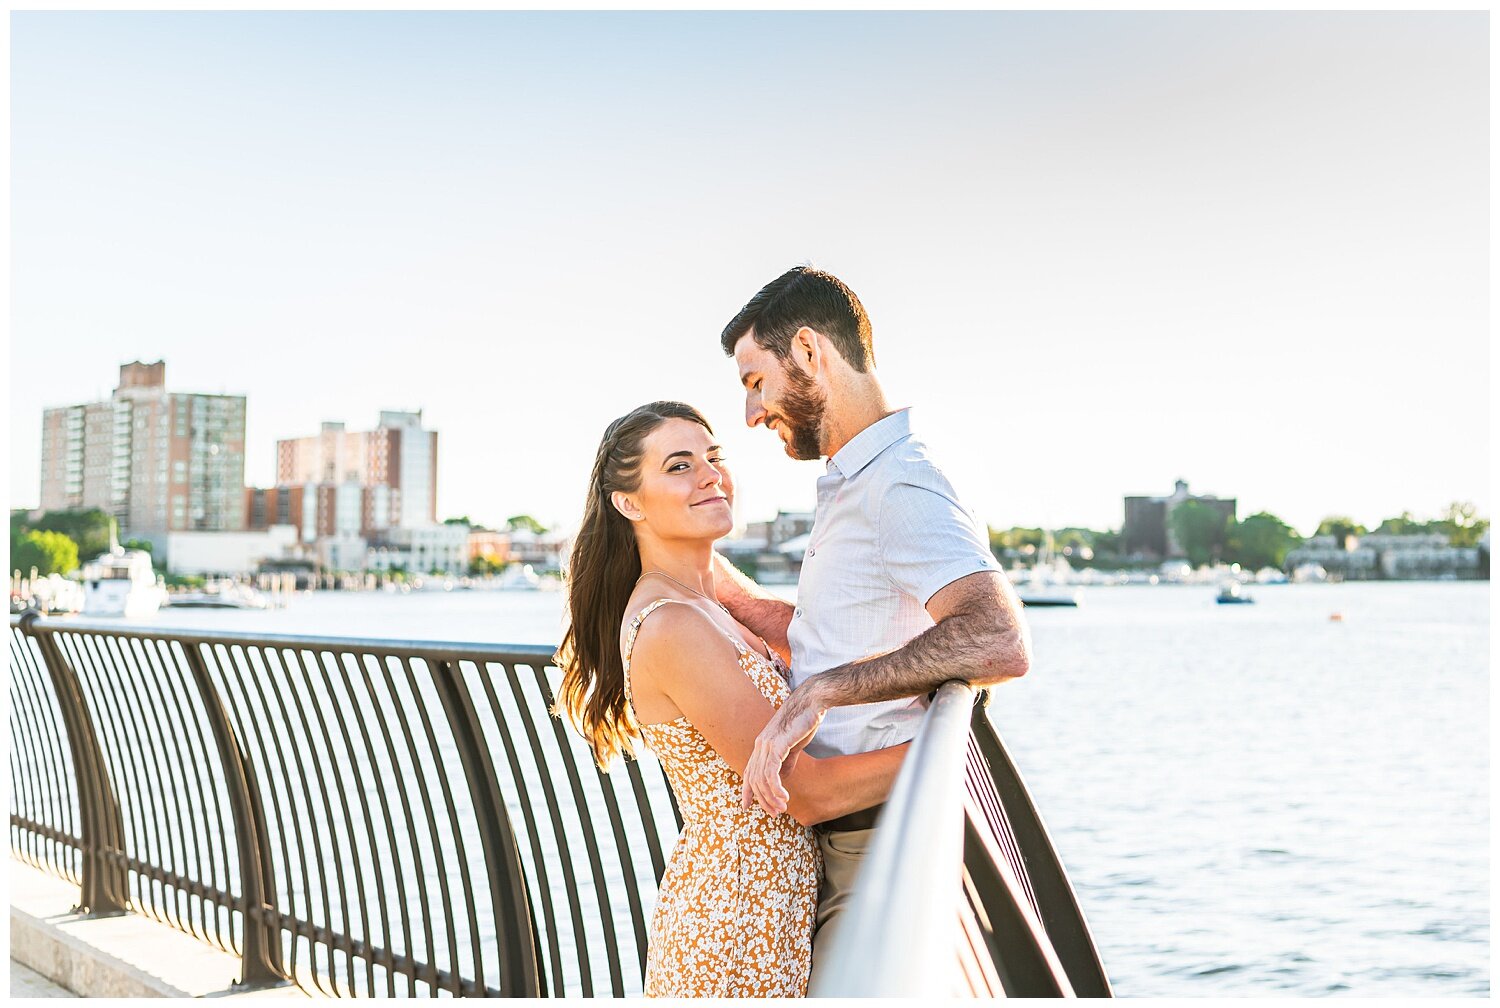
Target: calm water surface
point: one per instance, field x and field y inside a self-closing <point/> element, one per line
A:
<point x="1250" y="800"/>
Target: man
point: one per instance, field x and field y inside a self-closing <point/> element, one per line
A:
<point x="899" y="591"/>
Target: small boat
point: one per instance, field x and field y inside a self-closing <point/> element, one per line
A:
<point x="1046" y="583"/>
<point x="122" y="583"/>
<point x="1233" y="594"/>
<point x="1309" y="573"/>
<point x="518" y="577"/>
<point x="220" y="595"/>
<point x="1033" y="598"/>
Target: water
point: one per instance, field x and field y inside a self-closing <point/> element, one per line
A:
<point x="1250" y="800"/>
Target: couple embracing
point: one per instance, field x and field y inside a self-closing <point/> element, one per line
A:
<point x="781" y="728"/>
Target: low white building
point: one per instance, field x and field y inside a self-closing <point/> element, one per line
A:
<point x="422" y="550"/>
<point x="223" y="553"/>
<point x="544" y="551"/>
<point x="346" y="552"/>
<point x="1381" y="555"/>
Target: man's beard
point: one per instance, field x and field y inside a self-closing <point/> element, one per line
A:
<point x="802" y="412"/>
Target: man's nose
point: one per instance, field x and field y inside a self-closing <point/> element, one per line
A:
<point x="755" y="413"/>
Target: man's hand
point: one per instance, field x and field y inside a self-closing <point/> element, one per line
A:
<point x="777" y="746"/>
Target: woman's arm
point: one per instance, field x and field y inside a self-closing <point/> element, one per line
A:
<point x="683" y="654"/>
<point x="823" y="789"/>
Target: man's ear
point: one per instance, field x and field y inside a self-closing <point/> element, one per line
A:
<point x="807" y="349"/>
<point x="625" y="506"/>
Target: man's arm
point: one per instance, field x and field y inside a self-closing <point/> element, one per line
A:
<point x="764" y="613"/>
<point x="979" y="637"/>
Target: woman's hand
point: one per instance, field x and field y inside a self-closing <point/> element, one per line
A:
<point x="777" y="747"/>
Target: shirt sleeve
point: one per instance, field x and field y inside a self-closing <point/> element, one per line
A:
<point x="928" y="541"/>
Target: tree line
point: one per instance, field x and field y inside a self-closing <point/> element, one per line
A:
<point x="1207" y="536"/>
<point x="57" y="542"/>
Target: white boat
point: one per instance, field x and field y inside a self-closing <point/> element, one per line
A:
<point x="518" y="577"/>
<point x="122" y="583"/>
<point x="220" y="595"/>
<point x="1231" y="593"/>
<point x="1309" y="573"/>
<point x="1046" y="584"/>
<point x="1034" y="598"/>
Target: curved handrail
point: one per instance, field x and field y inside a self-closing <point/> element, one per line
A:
<point x="901" y="926"/>
<point x="961" y="890"/>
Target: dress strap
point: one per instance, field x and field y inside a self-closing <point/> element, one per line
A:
<point x="635" y="629"/>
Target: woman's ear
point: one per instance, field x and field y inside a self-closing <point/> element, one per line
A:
<point x="625" y="506"/>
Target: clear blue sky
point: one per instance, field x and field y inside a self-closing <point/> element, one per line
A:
<point x="1102" y="251"/>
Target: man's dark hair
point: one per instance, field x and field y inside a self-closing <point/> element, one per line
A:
<point x="803" y="296"/>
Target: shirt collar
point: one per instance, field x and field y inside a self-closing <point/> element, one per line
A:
<point x="863" y="447"/>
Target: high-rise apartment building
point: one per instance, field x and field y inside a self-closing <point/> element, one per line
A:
<point x="395" y="464"/>
<point x="156" y="460"/>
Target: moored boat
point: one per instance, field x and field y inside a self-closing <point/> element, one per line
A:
<point x="1231" y="593"/>
<point x="219" y="595"/>
<point x="122" y="583"/>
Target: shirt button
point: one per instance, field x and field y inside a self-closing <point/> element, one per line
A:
<point x="796" y="612"/>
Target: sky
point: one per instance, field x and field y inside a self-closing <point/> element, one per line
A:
<point x="1100" y="251"/>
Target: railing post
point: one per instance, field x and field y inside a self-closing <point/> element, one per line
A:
<point x="515" y="932"/>
<point x="106" y="883"/>
<point x="262" y="962"/>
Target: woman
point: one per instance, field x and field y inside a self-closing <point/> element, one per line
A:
<point x="651" y="656"/>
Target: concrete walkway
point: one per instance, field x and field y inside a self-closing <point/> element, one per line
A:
<point x="128" y="956"/>
<point x="26" y="982"/>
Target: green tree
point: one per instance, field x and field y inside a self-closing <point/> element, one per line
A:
<point x="1461" y="524"/>
<point x="459" y="521"/>
<point x="483" y="565"/>
<point x="1199" y="530"/>
<point x="1262" y="540"/>
<point x="90" y="529"/>
<point x="1017" y="539"/>
<point x="48" y="552"/>
<point x="145" y="545"/>
<point x="1107" y="543"/>
<point x="526" y="522"/>
<point x="1340" y="527"/>
<point x="1403" y="524"/>
<point x="1071" y="538"/>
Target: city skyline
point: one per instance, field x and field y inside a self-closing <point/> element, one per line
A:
<point x="290" y="473"/>
<point x="1101" y="251"/>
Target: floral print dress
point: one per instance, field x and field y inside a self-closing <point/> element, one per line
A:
<point x="734" y="915"/>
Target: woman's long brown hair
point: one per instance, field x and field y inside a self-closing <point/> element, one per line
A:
<point x="602" y="571"/>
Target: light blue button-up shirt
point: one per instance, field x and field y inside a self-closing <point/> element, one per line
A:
<point x="888" y="534"/>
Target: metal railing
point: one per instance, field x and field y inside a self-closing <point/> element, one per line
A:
<point x="356" y="816"/>
<point x="961" y="861"/>
<point x="367" y="817"/>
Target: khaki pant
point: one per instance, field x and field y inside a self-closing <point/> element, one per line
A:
<point x="842" y="854"/>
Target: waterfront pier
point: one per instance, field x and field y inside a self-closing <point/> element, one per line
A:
<point x="319" y="816"/>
